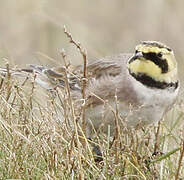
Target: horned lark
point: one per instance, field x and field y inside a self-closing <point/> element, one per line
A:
<point x="141" y="86"/>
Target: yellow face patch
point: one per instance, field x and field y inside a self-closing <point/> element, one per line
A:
<point x="145" y="67"/>
<point x="152" y="70"/>
<point x="141" y="65"/>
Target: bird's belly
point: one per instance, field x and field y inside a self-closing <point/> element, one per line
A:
<point x="144" y="116"/>
<point x="104" y="116"/>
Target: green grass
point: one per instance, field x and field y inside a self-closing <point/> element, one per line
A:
<point x="34" y="144"/>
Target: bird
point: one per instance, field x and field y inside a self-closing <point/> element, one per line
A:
<point x="141" y="86"/>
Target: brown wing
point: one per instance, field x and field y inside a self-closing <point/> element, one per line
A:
<point x="103" y="77"/>
<point x="108" y="66"/>
<point x="51" y="77"/>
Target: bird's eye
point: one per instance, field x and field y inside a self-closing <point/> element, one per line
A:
<point x="136" y="51"/>
<point x="159" y="54"/>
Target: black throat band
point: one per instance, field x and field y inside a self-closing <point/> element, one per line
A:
<point x="150" y="82"/>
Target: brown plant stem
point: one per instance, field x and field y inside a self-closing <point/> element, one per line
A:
<point x="180" y="161"/>
<point x="84" y="78"/>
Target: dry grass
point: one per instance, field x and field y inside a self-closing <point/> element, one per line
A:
<point x="39" y="139"/>
<point x="33" y="144"/>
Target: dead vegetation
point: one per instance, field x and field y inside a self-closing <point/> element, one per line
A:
<point x="41" y="138"/>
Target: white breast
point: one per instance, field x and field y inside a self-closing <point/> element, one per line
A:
<point x="154" y="103"/>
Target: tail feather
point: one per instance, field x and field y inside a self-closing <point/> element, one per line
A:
<point x="45" y="77"/>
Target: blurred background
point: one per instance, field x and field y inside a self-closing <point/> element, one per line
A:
<point x="32" y="31"/>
